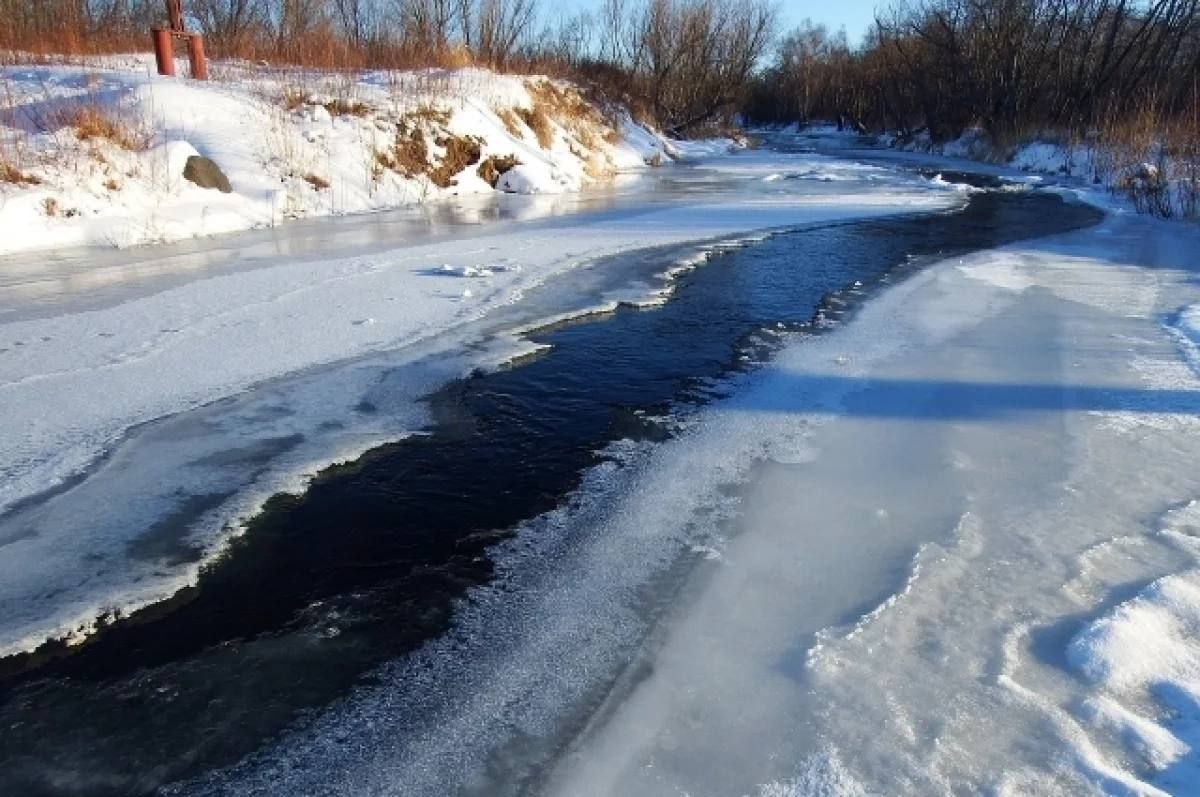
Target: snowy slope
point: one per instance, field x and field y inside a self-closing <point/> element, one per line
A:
<point x="292" y="144"/>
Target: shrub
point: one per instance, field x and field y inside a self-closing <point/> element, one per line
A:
<point x="316" y="181"/>
<point x="461" y="152"/>
<point x="93" y="124"/>
<point x="344" y="107"/>
<point x="494" y="166"/>
<point x="409" y="155"/>
<point x="11" y="174"/>
<point x="539" y="123"/>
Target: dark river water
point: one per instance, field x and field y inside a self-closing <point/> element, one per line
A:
<point x="371" y="560"/>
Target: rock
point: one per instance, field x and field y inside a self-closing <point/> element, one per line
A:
<point x="206" y="174"/>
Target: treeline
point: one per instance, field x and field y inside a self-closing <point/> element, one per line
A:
<point x="687" y="62"/>
<point x="1010" y="66"/>
<point x="684" y="64"/>
<point x="333" y="33"/>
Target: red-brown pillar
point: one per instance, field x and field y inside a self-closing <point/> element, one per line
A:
<point x="164" y="52"/>
<point x="196" y="56"/>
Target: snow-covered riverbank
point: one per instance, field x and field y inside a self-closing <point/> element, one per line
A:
<point x="95" y="154"/>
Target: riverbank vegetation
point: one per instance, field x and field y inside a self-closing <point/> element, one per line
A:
<point x="1116" y="78"/>
<point x="682" y="64"/>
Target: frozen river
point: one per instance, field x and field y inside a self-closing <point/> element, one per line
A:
<point x="829" y="476"/>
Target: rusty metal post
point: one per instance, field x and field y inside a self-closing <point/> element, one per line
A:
<point x="196" y="57"/>
<point x="175" y="14"/>
<point x="164" y="52"/>
<point x="164" y="45"/>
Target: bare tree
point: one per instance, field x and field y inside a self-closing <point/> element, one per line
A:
<point x="497" y="28"/>
<point x="692" y="58"/>
<point x="1008" y="65"/>
<point x="356" y="20"/>
<point x="428" y="25"/>
<point x="229" y="24"/>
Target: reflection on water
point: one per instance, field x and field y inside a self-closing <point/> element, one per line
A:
<point x="39" y="283"/>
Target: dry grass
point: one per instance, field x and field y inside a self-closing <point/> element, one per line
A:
<point x="316" y="181"/>
<point x="461" y="152"/>
<point x="511" y="121"/>
<point x="294" y="99"/>
<point x="564" y="103"/>
<point x="1182" y="145"/>
<point x="493" y="167"/>
<point x="344" y="107"/>
<point x="430" y="115"/>
<point x="302" y="92"/>
<point x="1154" y="161"/>
<point x="585" y="127"/>
<point x="572" y="111"/>
<point x="12" y="175"/>
<point x="540" y="123"/>
<point x="409" y="155"/>
<point x="321" y="46"/>
<point x="93" y="124"/>
<point x="1131" y="156"/>
<point x="457" y="56"/>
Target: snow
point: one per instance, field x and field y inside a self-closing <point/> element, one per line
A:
<point x="523" y="179"/>
<point x="1000" y="271"/>
<point x="1149" y="638"/>
<point x="704" y="148"/>
<point x="971" y="144"/>
<point x="1189" y="325"/>
<point x="273" y="134"/>
<point x="938" y="179"/>
<point x="1048" y="158"/>
<point x="1143" y="657"/>
<point x="485" y="270"/>
<point x="1035" y="156"/>
<point x="128" y="399"/>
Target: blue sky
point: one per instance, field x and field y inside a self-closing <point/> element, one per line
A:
<point x="855" y="15"/>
